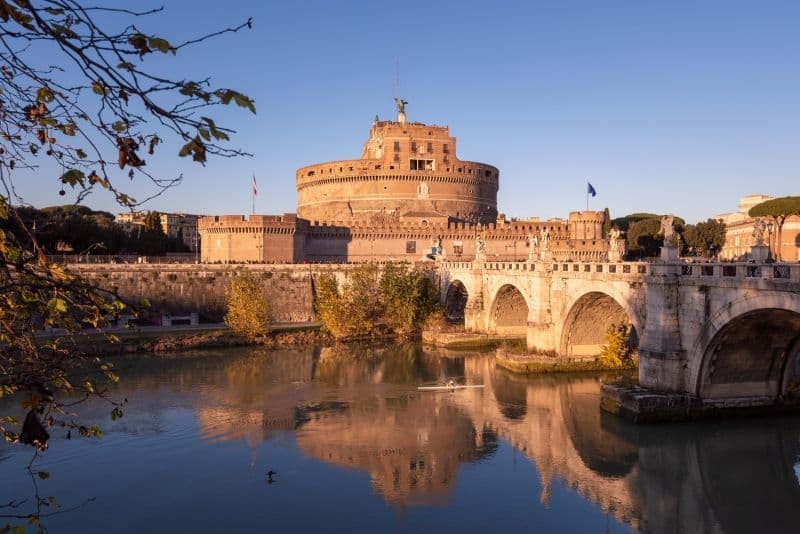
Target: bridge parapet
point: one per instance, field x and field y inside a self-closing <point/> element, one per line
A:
<point x="573" y="269"/>
<point x="742" y="271"/>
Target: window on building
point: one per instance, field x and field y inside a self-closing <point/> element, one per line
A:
<point x="413" y="146"/>
<point x="421" y="164"/>
<point x="458" y="248"/>
<point x="411" y="247"/>
<point x="430" y="148"/>
<point x="397" y="146"/>
<point x="446" y="149"/>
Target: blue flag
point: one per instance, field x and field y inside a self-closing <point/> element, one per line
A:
<point x="590" y="190"/>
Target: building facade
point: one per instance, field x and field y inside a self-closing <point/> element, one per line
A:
<point x="782" y="236"/>
<point x="407" y="198"/>
<point x="181" y="226"/>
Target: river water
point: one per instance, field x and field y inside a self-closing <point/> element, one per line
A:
<point x="357" y="448"/>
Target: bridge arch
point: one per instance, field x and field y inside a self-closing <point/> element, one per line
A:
<point x="589" y="316"/>
<point x="455" y="301"/>
<point x="749" y="348"/>
<point x="509" y="311"/>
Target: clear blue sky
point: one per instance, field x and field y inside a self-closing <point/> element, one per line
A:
<point x="678" y="107"/>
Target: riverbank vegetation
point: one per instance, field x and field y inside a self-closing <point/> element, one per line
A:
<point x="248" y="311"/>
<point x="617" y="352"/>
<point x="395" y="300"/>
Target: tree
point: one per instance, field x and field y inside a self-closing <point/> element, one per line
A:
<point x="398" y="297"/>
<point x="623" y="223"/>
<point x="248" y="312"/>
<point x="152" y="241"/>
<point x="705" y="237"/>
<point x="607" y="223"/>
<point x="80" y="96"/>
<point x="409" y="297"/>
<point x="778" y="209"/>
<point x="152" y="222"/>
<point x="353" y="309"/>
<point x="70" y="227"/>
<point x="643" y="235"/>
<point x="616" y="352"/>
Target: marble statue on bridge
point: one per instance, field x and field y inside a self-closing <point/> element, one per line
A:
<point x="616" y="245"/>
<point x="533" y="247"/>
<point x="668" y="229"/>
<point x="758" y="232"/>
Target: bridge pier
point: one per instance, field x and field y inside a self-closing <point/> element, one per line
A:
<point x="662" y="358"/>
<point x="474" y="317"/>
<point x="540" y="338"/>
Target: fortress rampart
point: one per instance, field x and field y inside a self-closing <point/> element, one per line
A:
<point x="288" y="239"/>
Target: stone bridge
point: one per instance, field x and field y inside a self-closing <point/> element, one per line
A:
<point x="723" y="333"/>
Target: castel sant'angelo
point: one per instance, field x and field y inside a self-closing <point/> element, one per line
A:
<point x="409" y="197"/>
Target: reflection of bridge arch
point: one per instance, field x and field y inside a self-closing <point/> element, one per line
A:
<point x="455" y="301"/>
<point x="748" y="348"/>
<point x="603" y="450"/>
<point x="589" y="317"/>
<point x="511" y="394"/>
<point x="509" y="312"/>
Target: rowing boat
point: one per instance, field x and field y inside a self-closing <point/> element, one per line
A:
<point x="448" y="388"/>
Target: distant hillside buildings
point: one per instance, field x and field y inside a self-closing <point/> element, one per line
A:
<point x="181" y="226"/>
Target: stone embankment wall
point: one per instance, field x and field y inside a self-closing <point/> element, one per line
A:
<point x="182" y="289"/>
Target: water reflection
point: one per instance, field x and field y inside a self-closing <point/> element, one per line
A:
<point x="358" y="408"/>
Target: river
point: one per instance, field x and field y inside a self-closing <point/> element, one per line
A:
<point x="356" y="447"/>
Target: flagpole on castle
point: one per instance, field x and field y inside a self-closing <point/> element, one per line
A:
<point x="255" y="192"/>
<point x="589" y="191"/>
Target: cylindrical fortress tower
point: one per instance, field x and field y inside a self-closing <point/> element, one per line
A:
<point x="406" y="170"/>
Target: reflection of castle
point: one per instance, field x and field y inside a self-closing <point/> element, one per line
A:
<point x="411" y="454"/>
<point x="412" y="445"/>
<point x="407" y="197"/>
<point x="366" y="415"/>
